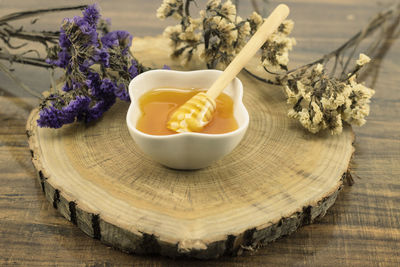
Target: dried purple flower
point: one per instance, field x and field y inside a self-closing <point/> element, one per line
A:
<point x="98" y="72"/>
<point x="92" y="15"/>
<point x="98" y="109"/>
<point x="50" y="117"/>
<point x="102" y="55"/>
<point x="66" y="87"/>
<point x="62" y="60"/>
<point x="121" y="93"/>
<point x="86" y="64"/>
<point x="107" y="87"/>
<point x="55" y="118"/>
<point x="93" y="83"/>
<point x="117" y="38"/>
<point x="133" y="70"/>
<point x="63" y="40"/>
<point x="90" y="31"/>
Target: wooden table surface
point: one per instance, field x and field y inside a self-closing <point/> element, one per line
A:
<point x="361" y="229"/>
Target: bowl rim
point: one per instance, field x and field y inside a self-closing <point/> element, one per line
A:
<point x="193" y="134"/>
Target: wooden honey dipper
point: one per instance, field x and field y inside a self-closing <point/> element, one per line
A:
<point x="198" y="111"/>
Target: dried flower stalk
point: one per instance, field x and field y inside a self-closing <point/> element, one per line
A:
<point x="97" y="70"/>
<point x="219" y="34"/>
<point x="325" y="99"/>
<point x="319" y="98"/>
<point x="9" y="35"/>
<point x="322" y="102"/>
<point x="97" y="64"/>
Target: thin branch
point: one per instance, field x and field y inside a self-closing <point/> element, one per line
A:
<point x="52" y="81"/>
<point x="271" y="72"/>
<point x="39" y="62"/>
<point x="334" y="67"/>
<point x="42" y="37"/>
<point x="260" y="78"/>
<point x="18" y="81"/>
<point x="6" y="40"/>
<point x="379" y="51"/>
<point x="187" y="6"/>
<point x="356" y="45"/>
<point x="31" y="51"/>
<point x="375" y="24"/>
<point x="30" y="13"/>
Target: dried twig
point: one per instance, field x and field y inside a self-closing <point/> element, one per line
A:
<point x="261" y="79"/>
<point x="9" y="33"/>
<point x="30" y="13"/>
<point x="19" y="58"/>
<point x="18" y="81"/>
<point x="42" y="37"/>
<point x="379" y="21"/>
<point x="378" y="51"/>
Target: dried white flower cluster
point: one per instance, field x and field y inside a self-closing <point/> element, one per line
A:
<point x="170" y="8"/>
<point x="275" y="51"/>
<point x="219" y="34"/>
<point x="225" y="33"/>
<point x="321" y="102"/>
<point x="184" y="38"/>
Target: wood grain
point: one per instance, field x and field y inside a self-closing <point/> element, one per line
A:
<point x="361" y="229"/>
<point x="279" y="178"/>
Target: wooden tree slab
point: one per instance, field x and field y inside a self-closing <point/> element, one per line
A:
<point x="279" y="178"/>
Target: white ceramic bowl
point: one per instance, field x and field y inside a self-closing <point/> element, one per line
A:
<point x="185" y="150"/>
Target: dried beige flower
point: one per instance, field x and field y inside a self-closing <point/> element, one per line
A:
<point x="220" y="34"/>
<point x="275" y="51"/>
<point x="189" y="34"/>
<point x="244" y="30"/>
<point x="228" y="10"/>
<point x="363" y="59"/>
<point x="321" y="102"/>
<point x="255" y="21"/>
<point x="213" y="4"/>
<point x="286" y="27"/>
<point x="173" y="34"/>
<point x="170" y="8"/>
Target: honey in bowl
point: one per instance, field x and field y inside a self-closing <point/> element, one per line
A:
<point x="159" y="104"/>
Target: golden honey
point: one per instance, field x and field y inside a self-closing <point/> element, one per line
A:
<point x="159" y="104"/>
